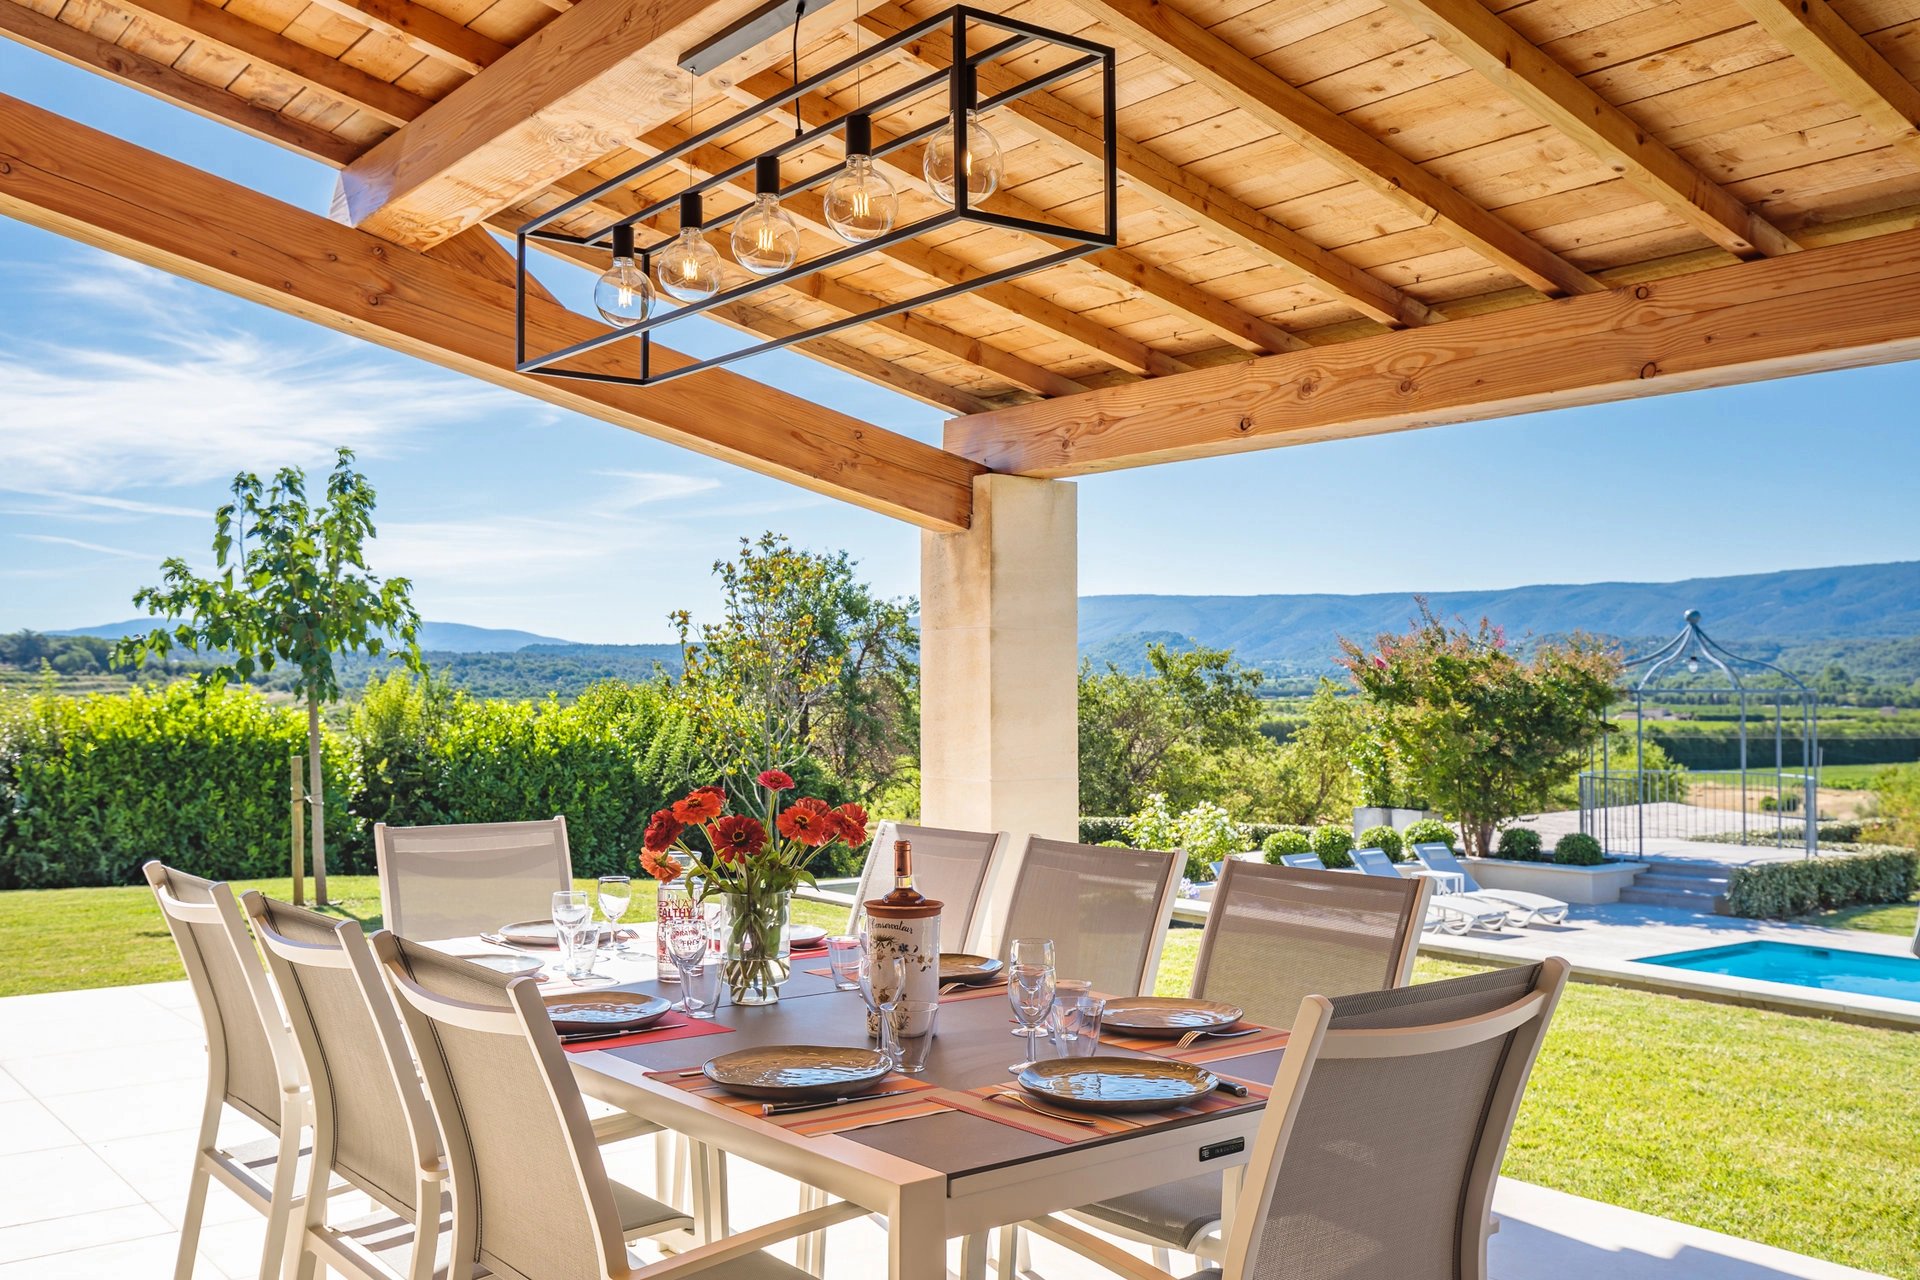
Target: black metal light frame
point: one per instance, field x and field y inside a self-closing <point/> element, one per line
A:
<point x="960" y="82"/>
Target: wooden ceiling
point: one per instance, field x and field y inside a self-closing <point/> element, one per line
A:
<point x="1296" y="175"/>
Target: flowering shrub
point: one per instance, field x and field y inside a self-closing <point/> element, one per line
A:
<point x="1205" y="832"/>
<point x="1334" y="845"/>
<point x="1385" y="839"/>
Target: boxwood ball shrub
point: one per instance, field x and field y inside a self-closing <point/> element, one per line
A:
<point x="1386" y="840"/>
<point x="1431" y="831"/>
<point x="1334" y="845"/>
<point x="1577" y="849"/>
<point x="1281" y="843"/>
<point x="1520" y="844"/>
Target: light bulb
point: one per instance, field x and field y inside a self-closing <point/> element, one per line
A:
<point x="1693" y="665"/>
<point x="688" y="269"/>
<point x="622" y="295"/>
<point x="765" y="241"/>
<point x="860" y="203"/>
<point x="977" y="163"/>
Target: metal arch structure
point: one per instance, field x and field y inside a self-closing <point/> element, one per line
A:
<point x="1688" y="652"/>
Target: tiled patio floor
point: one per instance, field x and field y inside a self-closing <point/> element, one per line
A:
<point x="100" y="1092"/>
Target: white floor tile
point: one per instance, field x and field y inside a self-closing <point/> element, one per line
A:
<point x="55" y="1075"/>
<point x="28" y="1126"/>
<point x="60" y="1235"/>
<point x="108" y="1025"/>
<point x="11" y="1090"/>
<point x="150" y="1256"/>
<point x="56" y="1183"/>
<point x="128" y="1111"/>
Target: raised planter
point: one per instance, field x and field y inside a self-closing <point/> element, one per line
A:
<point x="1398" y="819"/>
<point x="1590" y="885"/>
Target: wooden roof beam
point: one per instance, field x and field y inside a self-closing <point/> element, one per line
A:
<point x="1466" y="29"/>
<point x="423" y="30"/>
<point x="66" y="178"/>
<point x="1824" y="42"/>
<point x="1841" y="307"/>
<point x="1196" y="305"/>
<point x="1175" y="189"/>
<point x="1243" y="83"/>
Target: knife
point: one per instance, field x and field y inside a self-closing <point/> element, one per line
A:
<point x="1233" y="1087"/>
<point x="788" y="1108"/>
<point x="579" y="1036"/>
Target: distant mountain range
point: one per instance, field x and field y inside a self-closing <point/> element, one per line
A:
<point x="435" y="637"/>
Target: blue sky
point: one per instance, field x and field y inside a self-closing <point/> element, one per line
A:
<point x="128" y="399"/>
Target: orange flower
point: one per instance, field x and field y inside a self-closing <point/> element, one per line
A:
<point x="850" y="824"/>
<point x="707" y="802"/>
<point x="662" y="830"/>
<point x="776" y="780"/>
<point x="808" y="821"/>
<point x="737" y="837"/>
<point x="665" y="870"/>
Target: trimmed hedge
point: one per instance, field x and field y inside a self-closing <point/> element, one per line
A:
<point x="1103" y="830"/>
<point x="1577" y="849"/>
<point x="1778" y="890"/>
<point x="1386" y="840"/>
<point x="1334" y="845"/>
<point x="1520" y="844"/>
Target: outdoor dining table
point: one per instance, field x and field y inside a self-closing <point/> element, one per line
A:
<point x="942" y="1162"/>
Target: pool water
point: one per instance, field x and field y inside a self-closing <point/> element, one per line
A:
<point x="1859" y="972"/>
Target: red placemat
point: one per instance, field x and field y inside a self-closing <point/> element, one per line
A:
<point x="922" y="1099"/>
<point x="672" y="1026"/>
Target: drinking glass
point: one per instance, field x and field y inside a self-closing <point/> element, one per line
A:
<point x="1076" y="1025"/>
<point x="1030" y="992"/>
<point x="882" y="979"/>
<point x="673" y="901"/>
<point x="699" y="981"/>
<point x="913" y="1032"/>
<point x="616" y="894"/>
<point x="583" y="951"/>
<point x="843" y="956"/>
<point x="570" y="910"/>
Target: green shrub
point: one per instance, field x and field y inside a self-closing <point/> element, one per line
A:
<point x="1258" y="833"/>
<point x="1385" y="839"/>
<point x="1577" y="849"/>
<point x="1281" y="843"/>
<point x="1205" y="832"/>
<point x="1103" y="830"/>
<point x="1520" y="844"/>
<point x="1778" y="890"/>
<point x="92" y="787"/>
<point x="1431" y="831"/>
<point x="1334" y="845"/>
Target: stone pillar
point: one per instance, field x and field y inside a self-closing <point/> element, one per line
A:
<point x="999" y="664"/>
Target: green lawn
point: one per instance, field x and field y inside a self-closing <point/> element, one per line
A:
<point x="1792" y="1131"/>
<point x="1895" y="918"/>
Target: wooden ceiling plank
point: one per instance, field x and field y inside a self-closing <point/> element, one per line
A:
<point x="422" y="30"/>
<point x="1174" y="188"/>
<point x="1496" y="51"/>
<point x="1841" y="307"/>
<point x="92" y="53"/>
<point x="78" y="182"/>
<point x="1824" y="42"/>
<point x="1183" y="43"/>
<point x="301" y="63"/>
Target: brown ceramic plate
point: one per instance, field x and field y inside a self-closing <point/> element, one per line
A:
<point x="1117" y="1084"/>
<point x="603" y="1010"/>
<point x="1169" y="1016"/>
<point x="975" y="971"/>
<point x="796" y="1072"/>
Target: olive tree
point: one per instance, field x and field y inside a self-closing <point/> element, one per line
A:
<point x="290" y="585"/>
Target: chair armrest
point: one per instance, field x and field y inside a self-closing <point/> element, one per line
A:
<point x="619" y="1126"/>
<point x="1087" y="1245"/>
<point x="694" y="1261"/>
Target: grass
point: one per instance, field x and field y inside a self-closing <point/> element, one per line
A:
<point x="1896" y="918"/>
<point x="1792" y="1131"/>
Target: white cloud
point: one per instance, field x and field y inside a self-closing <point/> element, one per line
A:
<point x="56" y="540"/>
<point x="61" y="503"/>
<point x="644" y="487"/>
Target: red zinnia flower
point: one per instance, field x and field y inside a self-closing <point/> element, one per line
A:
<point x="707" y="802"/>
<point x="850" y="824"/>
<point x="808" y="821"/>
<point x="662" y="830"/>
<point x="737" y="837"/>
<point x="665" y="870"/>
<point x="776" y="780"/>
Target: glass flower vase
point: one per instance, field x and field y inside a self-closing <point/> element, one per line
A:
<point x="754" y="954"/>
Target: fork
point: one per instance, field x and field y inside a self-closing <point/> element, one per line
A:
<point x="1019" y="1100"/>
<point x="1187" y="1041"/>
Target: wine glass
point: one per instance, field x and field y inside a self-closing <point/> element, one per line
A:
<point x="1030" y="991"/>
<point x="687" y="947"/>
<point x="882" y="979"/>
<point x="616" y="894"/>
<point x="571" y="911"/>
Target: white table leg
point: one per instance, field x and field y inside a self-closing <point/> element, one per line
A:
<point x="973" y="1256"/>
<point x="916" y="1232"/>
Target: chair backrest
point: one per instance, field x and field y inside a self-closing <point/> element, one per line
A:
<point x="1436" y="856"/>
<point x="1303" y="861"/>
<point x="461" y="879"/>
<point x="531" y="1200"/>
<point x="372" y="1122"/>
<point x="1276" y="935"/>
<point x="252" y="1062"/>
<point x="1373" y="862"/>
<point x="1105" y="909"/>
<point x="1380" y="1144"/>
<point x="955" y="868"/>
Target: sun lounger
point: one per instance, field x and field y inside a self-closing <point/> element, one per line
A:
<point x="1522" y="908"/>
<point x="1450" y="912"/>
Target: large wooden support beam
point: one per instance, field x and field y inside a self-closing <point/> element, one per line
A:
<point x="1210" y="61"/>
<point x="1840" y="307"/>
<point x="95" y="188"/>
<point x="1467" y="30"/>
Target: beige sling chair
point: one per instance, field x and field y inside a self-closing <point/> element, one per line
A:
<point x="954" y="868"/>
<point x="1378" y="1152"/>
<point x="531" y="1197"/>
<point x="463" y="879"/>
<point x="1275" y="936"/>
<point x="252" y="1065"/>
<point x="1106" y="910"/>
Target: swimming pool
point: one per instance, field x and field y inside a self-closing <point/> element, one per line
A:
<point x="1859" y="972"/>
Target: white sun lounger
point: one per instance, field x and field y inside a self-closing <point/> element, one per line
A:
<point x="1522" y="908"/>
<point x="1449" y="912"/>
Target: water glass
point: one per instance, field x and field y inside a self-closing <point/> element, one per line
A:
<point x="700" y="991"/>
<point x="882" y="979"/>
<point x="1030" y="992"/>
<point x="686" y="943"/>
<point x="570" y="911"/>
<point x="1076" y="1025"/>
<point x="843" y="955"/>
<point x="913" y="1022"/>
<point x="616" y="894"/>
<point x="583" y="949"/>
<point x="673" y="902"/>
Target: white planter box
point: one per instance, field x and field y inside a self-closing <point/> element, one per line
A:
<point x="1398" y="819"/>
<point x="1569" y="884"/>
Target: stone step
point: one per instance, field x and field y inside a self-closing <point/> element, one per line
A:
<point x="1655" y="879"/>
<point x="1691" y="870"/>
<point x="1705" y="903"/>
